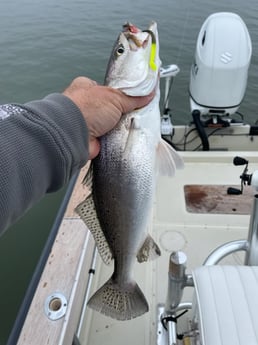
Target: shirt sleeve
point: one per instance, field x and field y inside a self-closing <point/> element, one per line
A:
<point x="42" y="144"/>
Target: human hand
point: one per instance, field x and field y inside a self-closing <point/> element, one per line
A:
<point x="101" y="107"/>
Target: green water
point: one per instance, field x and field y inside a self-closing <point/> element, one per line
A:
<point x="20" y="248"/>
<point x="44" y="44"/>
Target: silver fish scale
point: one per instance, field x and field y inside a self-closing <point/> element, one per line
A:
<point x="123" y="189"/>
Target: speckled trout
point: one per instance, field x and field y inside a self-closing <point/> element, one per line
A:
<point x="123" y="175"/>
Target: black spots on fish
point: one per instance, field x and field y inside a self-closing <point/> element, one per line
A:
<point x="113" y="197"/>
<point x="121" y="302"/>
<point x="113" y="297"/>
<point x="87" y="213"/>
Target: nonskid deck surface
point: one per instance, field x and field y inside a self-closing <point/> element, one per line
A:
<point x="174" y="228"/>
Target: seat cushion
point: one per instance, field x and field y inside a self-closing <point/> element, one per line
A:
<point x="227" y="303"/>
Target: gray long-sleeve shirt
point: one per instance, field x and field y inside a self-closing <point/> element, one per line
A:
<point x="42" y="144"/>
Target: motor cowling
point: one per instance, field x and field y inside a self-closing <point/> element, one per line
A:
<point x="220" y="69"/>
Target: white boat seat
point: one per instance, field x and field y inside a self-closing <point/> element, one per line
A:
<point x="227" y="304"/>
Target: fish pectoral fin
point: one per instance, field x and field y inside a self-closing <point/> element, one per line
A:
<point x="168" y="159"/>
<point x="87" y="212"/>
<point x="135" y="123"/>
<point x="121" y="302"/>
<point x="135" y="132"/>
<point x="149" y="250"/>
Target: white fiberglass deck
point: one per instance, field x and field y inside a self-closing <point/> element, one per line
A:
<point x="174" y="229"/>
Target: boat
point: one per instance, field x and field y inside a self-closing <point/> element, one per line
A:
<point x="203" y="288"/>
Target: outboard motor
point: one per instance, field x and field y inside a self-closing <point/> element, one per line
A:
<point x="220" y="69"/>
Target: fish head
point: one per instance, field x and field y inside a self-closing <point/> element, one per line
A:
<point x="134" y="62"/>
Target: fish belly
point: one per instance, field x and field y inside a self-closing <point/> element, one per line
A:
<point x="123" y="195"/>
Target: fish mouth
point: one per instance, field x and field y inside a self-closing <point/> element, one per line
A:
<point x="130" y="31"/>
<point x="137" y="38"/>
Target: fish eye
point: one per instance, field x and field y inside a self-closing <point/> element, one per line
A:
<point x="120" y="50"/>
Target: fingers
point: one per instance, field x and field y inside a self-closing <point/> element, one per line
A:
<point x="94" y="148"/>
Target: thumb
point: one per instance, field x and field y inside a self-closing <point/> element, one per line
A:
<point x="129" y="103"/>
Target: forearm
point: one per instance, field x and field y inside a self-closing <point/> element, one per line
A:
<point x="42" y="143"/>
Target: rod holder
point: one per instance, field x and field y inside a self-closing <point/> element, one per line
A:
<point x="251" y="258"/>
<point x="176" y="280"/>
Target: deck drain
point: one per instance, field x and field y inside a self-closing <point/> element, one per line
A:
<point x="55" y="306"/>
<point x="172" y="241"/>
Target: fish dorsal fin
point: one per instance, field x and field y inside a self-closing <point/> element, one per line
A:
<point x="88" y="178"/>
<point x="87" y="212"/>
<point x="149" y="250"/>
<point x="168" y="159"/>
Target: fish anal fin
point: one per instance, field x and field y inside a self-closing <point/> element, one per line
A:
<point x="120" y="302"/>
<point x="168" y="159"/>
<point x="87" y="212"/>
<point x="149" y="250"/>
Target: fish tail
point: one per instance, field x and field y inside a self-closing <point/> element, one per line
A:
<point x="119" y="302"/>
